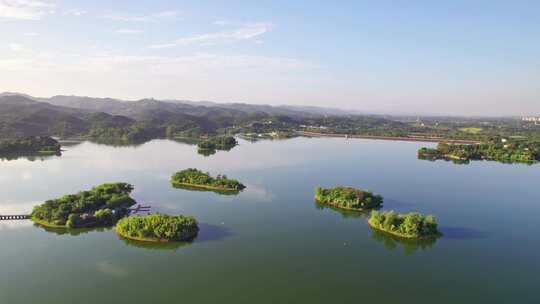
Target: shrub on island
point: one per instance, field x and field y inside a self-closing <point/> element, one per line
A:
<point x="348" y="198"/>
<point x="158" y="228"/>
<point x="99" y="207"/>
<point x="409" y="225"/>
<point x="196" y="178"/>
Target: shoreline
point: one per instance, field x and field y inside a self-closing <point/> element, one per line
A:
<point x="344" y="208"/>
<point x="47" y="224"/>
<point x="393" y="138"/>
<point x="397" y="234"/>
<point x="151" y="240"/>
<point x="205" y="187"/>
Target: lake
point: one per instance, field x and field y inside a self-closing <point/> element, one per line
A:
<point x="272" y="243"/>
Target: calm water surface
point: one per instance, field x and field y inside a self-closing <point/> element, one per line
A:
<point x="272" y="243"/>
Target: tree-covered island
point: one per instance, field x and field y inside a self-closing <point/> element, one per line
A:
<point x="30" y="145"/>
<point x="500" y="149"/>
<point x="348" y="198"/>
<point x="101" y="206"/>
<point x="158" y="228"/>
<point x="411" y="225"/>
<point x="198" y="179"/>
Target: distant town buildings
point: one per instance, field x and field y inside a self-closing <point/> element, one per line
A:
<point x="536" y="120"/>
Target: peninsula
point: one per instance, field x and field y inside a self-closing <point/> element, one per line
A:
<point x="499" y="149"/>
<point x="101" y="206"/>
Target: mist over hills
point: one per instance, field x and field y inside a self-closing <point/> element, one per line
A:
<point x="200" y="108"/>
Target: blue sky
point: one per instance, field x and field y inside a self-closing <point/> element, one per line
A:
<point x="426" y="57"/>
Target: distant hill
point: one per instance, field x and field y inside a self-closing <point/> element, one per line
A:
<point x="20" y="116"/>
<point x="119" y="121"/>
<point x="197" y="108"/>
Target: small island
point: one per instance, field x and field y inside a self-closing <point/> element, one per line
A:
<point x="499" y="149"/>
<point x="225" y="143"/>
<point x="158" y="228"/>
<point x="102" y="206"/>
<point x="348" y="198"/>
<point x="410" y="225"/>
<point x="28" y="146"/>
<point x="193" y="178"/>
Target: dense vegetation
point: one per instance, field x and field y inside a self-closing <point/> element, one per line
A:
<point x="348" y="198"/>
<point x="123" y="122"/>
<point x="158" y="228"/>
<point x="29" y="145"/>
<point x="120" y="122"/>
<point x="503" y="150"/>
<point x="101" y="206"/>
<point x="196" y="178"/>
<point x="410" y="225"/>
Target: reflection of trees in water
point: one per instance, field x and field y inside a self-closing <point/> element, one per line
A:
<point x="343" y="212"/>
<point x="410" y="246"/>
<point x="207" y="233"/>
<point x="155" y="245"/>
<point x="454" y="160"/>
<point x="209" y="152"/>
<point x="200" y="189"/>
<point x="30" y="157"/>
<point x="206" y="152"/>
<point x="72" y="231"/>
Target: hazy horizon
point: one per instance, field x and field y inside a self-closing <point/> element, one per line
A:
<point x="410" y="58"/>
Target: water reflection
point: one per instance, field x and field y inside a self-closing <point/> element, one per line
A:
<point x="410" y="246"/>
<point x="155" y="245"/>
<point x="206" y="152"/>
<point x="30" y="157"/>
<point x="72" y="231"/>
<point x="343" y="212"/>
<point x="462" y="233"/>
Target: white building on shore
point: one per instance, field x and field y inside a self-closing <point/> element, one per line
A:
<point x="536" y="120"/>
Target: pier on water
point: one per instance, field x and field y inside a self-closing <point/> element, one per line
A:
<point x="14" y="217"/>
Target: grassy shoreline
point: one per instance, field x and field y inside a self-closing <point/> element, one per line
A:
<point x="147" y="240"/>
<point x="205" y="187"/>
<point x="47" y="224"/>
<point x="342" y="208"/>
<point x="427" y="237"/>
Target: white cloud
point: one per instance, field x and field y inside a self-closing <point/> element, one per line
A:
<point x="246" y="32"/>
<point x="142" y="18"/>
<point x="31" y="34"/>
<point x="75" y="12"/>
<point x="128" y="31"/>
<point x="24" y="9"/>
<point x="231" y="77"/>
<point x="162" y="46"/>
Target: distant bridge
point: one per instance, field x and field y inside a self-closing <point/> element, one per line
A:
<point x="14" y="217"/>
